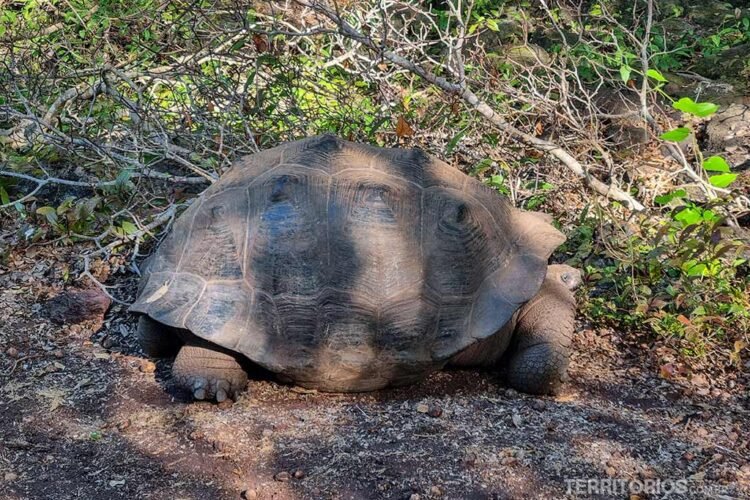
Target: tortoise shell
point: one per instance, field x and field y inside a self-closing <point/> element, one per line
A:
<point x="346" y="266"/>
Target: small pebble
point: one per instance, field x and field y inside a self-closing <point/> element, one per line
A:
<point x="282" y="476"/>
<point x="58" y="353"/>
<point x="12" y="352"/>
<point x="249" y="494"/>
<point x="147" y="366"/>
<point x="299" y="474"/>
<point x="196" y="435"/>
<point x="718" y="458"/>
<point x="123" y="425"/>
<point x="109" y="342"/>
<point x="539" y="405"/>
<point x="267" y="432"/>
<point x="422" y="408"/>
<point x="11" y="476"/>
<point x="415" y="496"/>
<point x="511" y="393"/>
<point x="435" y="411"/>
<point x="226" y="404"/>
<point x="611" y="471"/>
<point x="648" y="474"/>
<point x="436" y="491"/>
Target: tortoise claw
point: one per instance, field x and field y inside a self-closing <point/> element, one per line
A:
<point x="199" y="389"/>
<point x="222" y="390"/>
<point x="221" y="396"/>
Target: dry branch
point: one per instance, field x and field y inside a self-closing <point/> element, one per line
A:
<point x="42" y="182"/>
<point x="346" y="29"/>
<point x="164" y="218"/>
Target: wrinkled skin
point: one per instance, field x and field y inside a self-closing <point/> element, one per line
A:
<point x="531" y="351"/>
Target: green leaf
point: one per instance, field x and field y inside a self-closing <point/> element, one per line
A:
<point x="666" y="198"/>
<point x="695" y="270"/>
<point x="722" y="180"/>
<point x="492" y="24"/>
<point x="656" y="75"/>
<point x="716" y="164"/>
<point x="709" y="215"/>
<point x="625" y="73"/>
<point x="676" y="135"/>
<point x="496" y="180"/>
<point x="688" y="216"/>
<point x="453" y="142"/>
<point x="49" y="212"/>
<point x="128" y="227"/>
<point x="699" y="109"/>
<point x="4" y="198"/>
<point x="123" y="177"/>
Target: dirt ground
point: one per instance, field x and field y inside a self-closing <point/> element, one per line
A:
<point x="84" y="415"/>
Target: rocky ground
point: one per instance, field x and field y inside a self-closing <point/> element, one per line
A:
<point x="83" y="414"/>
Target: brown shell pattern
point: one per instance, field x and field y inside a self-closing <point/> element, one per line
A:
<point x="324" y="256"/>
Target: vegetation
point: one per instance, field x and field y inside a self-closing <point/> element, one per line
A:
<point x="114" y="115"/>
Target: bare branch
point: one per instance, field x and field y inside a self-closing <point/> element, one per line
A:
<point x="40" y="183"/>
<point x="481" y="107"/>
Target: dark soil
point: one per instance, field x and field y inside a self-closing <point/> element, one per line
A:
<point x="84" y="415"/>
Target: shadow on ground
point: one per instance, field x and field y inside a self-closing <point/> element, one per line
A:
<point x="80" y="420"/>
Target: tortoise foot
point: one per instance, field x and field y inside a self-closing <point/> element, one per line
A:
<point x="208" y="373"/>
<point x="539" y="369"/>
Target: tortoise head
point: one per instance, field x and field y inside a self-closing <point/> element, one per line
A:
<point x="570" y="277"/>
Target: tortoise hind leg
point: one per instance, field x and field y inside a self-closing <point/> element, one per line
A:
<point x="157" y="340"/>
<point x="209" y="372"/>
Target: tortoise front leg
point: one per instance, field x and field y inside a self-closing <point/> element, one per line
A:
<point x="157" y="340"/>
<point x="209" y="372"/>
<point x="538" y="359"/>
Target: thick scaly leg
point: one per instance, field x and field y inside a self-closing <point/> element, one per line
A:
<point x="537" y="361"/>
<point x="209" y="372"/>
<point x="157" y="340"/>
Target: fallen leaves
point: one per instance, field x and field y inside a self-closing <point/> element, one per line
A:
<point x="517" y="420"/>
<point x="146" y="366"/>
<point x="403" y="129"/>
<point x="668" y="371"/>
<point x="55" y="397"/>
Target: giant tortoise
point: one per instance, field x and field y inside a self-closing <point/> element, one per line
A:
<point x="346" y="267"/>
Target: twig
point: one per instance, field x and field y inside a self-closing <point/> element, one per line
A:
<point x="40" y="183"/>
<point x="18" y="362"/>
<point x="163" y="218"/>
<point x="481" y="107"/>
